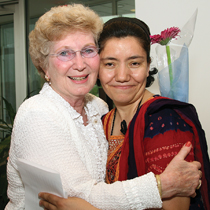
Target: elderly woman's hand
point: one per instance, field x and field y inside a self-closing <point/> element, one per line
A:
<point x="52" y="202"/>
<point x="181" y="178"/>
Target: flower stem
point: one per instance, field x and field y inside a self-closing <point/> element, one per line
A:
<point x="169" y="65"/>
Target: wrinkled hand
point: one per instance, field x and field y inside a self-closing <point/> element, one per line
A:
<point x="52" y="202"/>
<point x="180" y="177"/>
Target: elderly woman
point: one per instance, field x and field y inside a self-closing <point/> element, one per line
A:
<point x="157" y="126"/>
<point x="60" y="128"/>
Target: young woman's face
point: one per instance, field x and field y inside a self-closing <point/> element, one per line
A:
<point x="74" y="78"/>
<point x="123" y="69"/>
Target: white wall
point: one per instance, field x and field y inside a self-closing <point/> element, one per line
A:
<point x="162" y="14"/>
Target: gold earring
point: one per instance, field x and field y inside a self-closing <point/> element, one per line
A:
<point x="47" y="78"/>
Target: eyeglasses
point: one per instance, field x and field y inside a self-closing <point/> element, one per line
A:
<point x="68" y="54"/>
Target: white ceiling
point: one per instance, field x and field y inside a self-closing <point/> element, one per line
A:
<point x="38" y="7"/>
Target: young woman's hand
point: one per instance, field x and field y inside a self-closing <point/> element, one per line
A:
<point x="52" y="202"/>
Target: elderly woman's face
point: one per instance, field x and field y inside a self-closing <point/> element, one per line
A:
<point x="123" y="69"/>
<point x="74" y="78"/>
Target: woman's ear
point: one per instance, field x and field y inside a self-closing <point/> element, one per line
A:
<point x="46" y="73"/>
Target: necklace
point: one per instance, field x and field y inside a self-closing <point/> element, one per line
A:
<point x="123" y="123"/>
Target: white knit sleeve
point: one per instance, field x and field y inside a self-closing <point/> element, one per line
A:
<point x="139" y="193"/>
<point x="45" y="136"/>
<point x="15" y="190"/>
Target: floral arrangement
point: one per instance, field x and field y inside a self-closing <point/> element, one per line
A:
<point x="163" y="39"/>
<point x="172" y="59"/>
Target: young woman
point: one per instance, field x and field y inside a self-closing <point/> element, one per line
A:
<point x="158" y="126"/>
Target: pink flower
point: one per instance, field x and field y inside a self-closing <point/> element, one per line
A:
<point x="165" y="36"/>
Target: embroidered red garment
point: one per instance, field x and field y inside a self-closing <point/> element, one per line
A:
<point x="155" y="135"/>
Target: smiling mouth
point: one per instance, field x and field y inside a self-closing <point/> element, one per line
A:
<point x="123" y="87"/>
<point x="78" y="78"/>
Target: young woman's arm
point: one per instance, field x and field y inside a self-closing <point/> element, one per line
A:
<point x="53" y="202"/>
<point x="176" y="203"/>
<point x="184" y="178"/>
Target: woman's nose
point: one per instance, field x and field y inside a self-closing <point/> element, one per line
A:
<point x="79" y="63"/>
<point x="122" y="74"/>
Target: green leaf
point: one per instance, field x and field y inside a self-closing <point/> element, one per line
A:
<point x="5" y="127"/>
<point x="10" y="111"/>
<point x="8" y="135"/>
<point x="4" y="122"/>
<point x="6" y="140"/>
<point x="6" y="130"/>
<point x="30" y="94"/>
<point x="4" y="148"/>
<point x="3" y="189"/>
